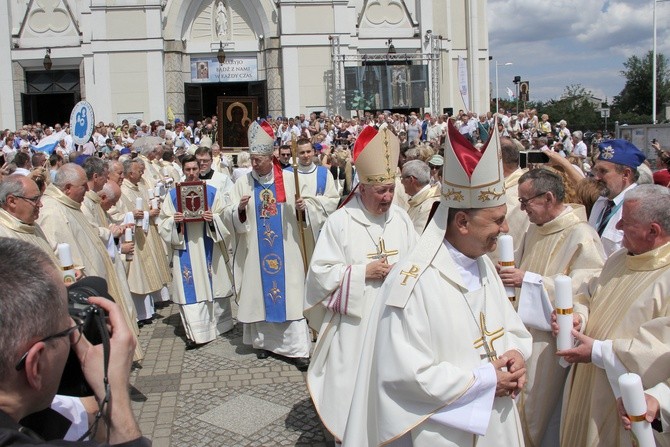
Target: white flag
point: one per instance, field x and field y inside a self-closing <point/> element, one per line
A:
<point x="510" y="93"/>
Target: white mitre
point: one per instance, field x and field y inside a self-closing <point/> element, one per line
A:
<point x="472" y="178"/>
<point x="376" y="154"/>
<point x="261" y="138"/>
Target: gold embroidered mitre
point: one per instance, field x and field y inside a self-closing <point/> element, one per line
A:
<point x="472" y="178"/>
<point x="376" y="155"/>
<point x="261" y="138"/>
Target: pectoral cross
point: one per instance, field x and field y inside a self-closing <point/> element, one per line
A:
<point x="381" y="251"/>
<point x="482" y="342"/>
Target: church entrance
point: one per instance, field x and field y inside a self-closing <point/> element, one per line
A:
<point x="50" y="96"/>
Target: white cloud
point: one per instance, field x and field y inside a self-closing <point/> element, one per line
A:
<point x="557" y="43"/>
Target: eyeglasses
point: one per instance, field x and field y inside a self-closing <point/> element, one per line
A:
<point x="34" y="200"/>
<point x="432" y="167"/>
<point x="73" y="332"/>
<point x="525" y="202"/>
<point x="204" y="160"/>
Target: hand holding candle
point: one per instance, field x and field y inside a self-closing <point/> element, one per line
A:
<point x="506" y="255"/>
<point x="563" y="290"/>
<point x="635" y="404"/>
<point x="65" y="256"/>
<point x="128" y="237"/>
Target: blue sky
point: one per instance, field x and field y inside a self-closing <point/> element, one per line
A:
<point x="557" y="43"/>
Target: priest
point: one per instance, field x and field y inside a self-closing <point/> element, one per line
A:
<point x="356" y="249"/>
<point x="445" y="352"/>
<point x="268" y="265"/>
<point x="625" y="315"/>
<point x="559" y="241"/>
<point x="202" y="281"/>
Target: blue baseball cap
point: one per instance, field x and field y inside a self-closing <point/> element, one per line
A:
<point x="621" y="152"/>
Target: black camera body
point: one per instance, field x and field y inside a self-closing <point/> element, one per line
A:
<point x="73" y="382"/>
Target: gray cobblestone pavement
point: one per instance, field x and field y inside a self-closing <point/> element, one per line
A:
<point x="219" y="394"/>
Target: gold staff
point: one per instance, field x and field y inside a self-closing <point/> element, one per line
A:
<point x="300" y="214"/>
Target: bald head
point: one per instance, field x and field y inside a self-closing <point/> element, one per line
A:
<point x="109" y="195"/>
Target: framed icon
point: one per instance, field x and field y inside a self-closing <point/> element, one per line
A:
<point x="192" y="200"/>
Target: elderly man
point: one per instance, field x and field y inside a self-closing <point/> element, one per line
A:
<point x="356" y="249"/>
<point x="37" y="334"/>
<point x="202" y="280"/>
<point x="269" y="271"/>
<point x="62" y="202"/>
<point x="559" y="241"/>
<point x="148" y="272"/>
<point x="415" y="179"/>
<point x="626" y="315"/>
<point x="444" y="351"/>
<point x="616" y="173"/>
<point x="21" y="200"/>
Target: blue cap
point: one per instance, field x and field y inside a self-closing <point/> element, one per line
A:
<point x="621" y="152"/>
<point x="318" y="147"/>
<point x="124" y="151"/>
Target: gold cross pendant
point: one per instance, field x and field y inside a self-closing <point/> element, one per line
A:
<point x="482" y="342"/>
<point x="381" y="251"/>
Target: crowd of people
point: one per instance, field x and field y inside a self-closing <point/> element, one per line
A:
<point x="363" y="251"/>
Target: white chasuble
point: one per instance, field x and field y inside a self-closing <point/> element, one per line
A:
<point x="202" y="281"/>
<point x="429" y="346"/>
<point x="338" y="299"/>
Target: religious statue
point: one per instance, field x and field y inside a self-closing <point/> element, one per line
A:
<point x="221" y="20"/>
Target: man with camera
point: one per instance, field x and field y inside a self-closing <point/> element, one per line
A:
<point x="36" y="334"/>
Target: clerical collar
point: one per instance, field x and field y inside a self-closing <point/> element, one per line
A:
<point x="206" y="176"/>
<point x="467" y="267"/>
<point x="306" y="169"/>
<point x="263" y="179"/>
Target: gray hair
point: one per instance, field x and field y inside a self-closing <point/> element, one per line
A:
<point x="644" y="175"/>
<point x="545" y="180"/>
<point x="128" y="165"/>
<point x="417" y="169"/>
<point x="31" y="300"/>
<point x="578" y="134"/>
<point x="653" y="204"/>
<point x="11" y="186"/>
<point x="109" y="191"/>
<point x="68" y="174"/>
<point x="243" y="159"/>
<point x="111" y="164"/>
<point x="94" y="165"/>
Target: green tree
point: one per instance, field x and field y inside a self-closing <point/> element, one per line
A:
<point x="633" y="103"/>
<point x="575" y="106"/>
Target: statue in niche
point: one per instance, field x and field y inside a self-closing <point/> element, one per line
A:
<point x="221" y="20"/>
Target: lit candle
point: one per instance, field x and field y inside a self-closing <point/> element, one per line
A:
<point x="67" y="266"/>
<point x="506" y="255"/>
<point x="635" y="404"/>
<point x="128" y="237"/>
<point x="563" y="290"/>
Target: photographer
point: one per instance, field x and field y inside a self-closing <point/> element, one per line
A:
<point x="36" y="334"/>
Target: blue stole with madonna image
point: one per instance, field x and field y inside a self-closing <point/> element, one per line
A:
<point x="270" y="251"/>
<point x="187" y="279"/>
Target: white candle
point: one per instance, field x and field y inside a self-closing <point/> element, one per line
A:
<point x="158" y="192"/>
<point x="154" y="203"/>
<point x="635" y="404"/>
<point x="128" y="237"/>
<point x="129" y="219"/>
<point x="563" y="292"/>
<point x="506" y="255"/>
<point x="139" y="204"/>
<point x="65" y="256"/>
<point x="151" y="193"/>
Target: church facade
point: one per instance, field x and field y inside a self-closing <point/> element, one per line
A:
<point x="240" y="59"/>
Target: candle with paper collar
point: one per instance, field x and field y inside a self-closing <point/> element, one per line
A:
<point x="67" y="266"/>
<point x="635" y="404"/>
<point x="563" y="291"/>
<point x="128" y="237"/>
<point x="506" y="254"/>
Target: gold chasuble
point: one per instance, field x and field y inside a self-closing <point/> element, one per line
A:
<point x="61" y="220"/>
<point x="13" y="228"/>
<point x="628" y="304"/>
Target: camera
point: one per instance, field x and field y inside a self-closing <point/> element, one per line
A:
<point x="532" y="157"/>
<point x="73" y="382"/>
